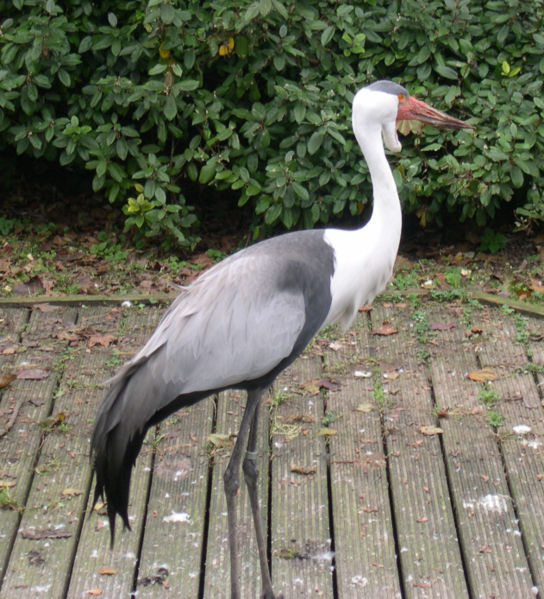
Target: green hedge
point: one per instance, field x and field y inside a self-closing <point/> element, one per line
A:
<point x="159" y="98"/>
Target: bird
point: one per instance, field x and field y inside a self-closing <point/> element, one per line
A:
<point x="243" y="321"/>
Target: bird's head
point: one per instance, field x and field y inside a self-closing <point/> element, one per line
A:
<point x="387" y="103"/>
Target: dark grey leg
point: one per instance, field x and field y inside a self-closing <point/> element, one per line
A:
<point x="231" y="481"/>
<point x="251" y="472"/>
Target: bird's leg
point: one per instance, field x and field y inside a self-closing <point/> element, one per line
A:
<point x="231" y="481"/>
<point x="251" y="472"/>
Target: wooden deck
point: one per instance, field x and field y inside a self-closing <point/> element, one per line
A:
<point x="387" y="471"/>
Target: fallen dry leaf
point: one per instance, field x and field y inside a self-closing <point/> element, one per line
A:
<point x="32" y="374"/>
<point x="303" y="470"/>
<point x="67" y="336"/>
<point x="537" y="285"/>
<point x="314" y="386"/>
<point x="430" y="430"/>
<point x="365" y="308"/>
<point x="483" y="375"/>
<point x="94" y="592"/>
<point x="385" y="329"/>
<point x="296" y="418"/>
<point x="105" y="571"/>
<point x="71" y="492"/>
<point x="423" y="585"/>
<point x="327" y="431"/>
<point x="46" y="308"/>
<point x="9" y="351"/>
<point x="442" y="326"/>
<point x="218" y="439"/>
<point x="391" y="376"/>
<point x="32" y="286"/>
<point x="47" y="285"/>
<point x="103" y="340"/>
<point x="364" y="407"/>
<point x="6" y="378"/>
<point x="422" y="519"/>
<point x="37" y="534"/>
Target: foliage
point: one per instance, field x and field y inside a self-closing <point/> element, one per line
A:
<point x="165" y="101"/>
<point x="492" y="241"/>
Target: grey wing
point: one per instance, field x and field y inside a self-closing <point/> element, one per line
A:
<point x="232" y="325"/>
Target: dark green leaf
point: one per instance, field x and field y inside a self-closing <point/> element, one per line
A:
<point x="445" y="71"/>
<point x="315" y="141"/>
<point x="170" y="108"/>
<point x="327" y="35"/>
<point x="188" y="85"/>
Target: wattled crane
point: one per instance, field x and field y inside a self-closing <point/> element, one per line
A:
<point x="247" y="318"/>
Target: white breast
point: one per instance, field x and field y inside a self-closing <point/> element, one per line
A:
<point x="361" y="270"/>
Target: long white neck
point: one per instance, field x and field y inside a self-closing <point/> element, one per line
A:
<point x="364" y="258"/>
<point x="386" y="210"/>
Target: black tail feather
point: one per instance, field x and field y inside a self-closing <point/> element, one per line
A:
<point x="113" y="477"/>
<point x="128" y="410"/>
<point x="114" y="448"/>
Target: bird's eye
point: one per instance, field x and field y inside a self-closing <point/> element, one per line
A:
<point x="401" y="97"/>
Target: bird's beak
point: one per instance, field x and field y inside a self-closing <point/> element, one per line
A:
<point x="411" y="109"/>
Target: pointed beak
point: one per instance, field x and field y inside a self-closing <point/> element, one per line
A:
<point x="411" y="109"/>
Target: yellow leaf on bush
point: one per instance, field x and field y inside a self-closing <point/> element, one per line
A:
<point x="227" y="48"/>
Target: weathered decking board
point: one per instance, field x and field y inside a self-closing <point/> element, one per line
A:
<point x="494" y="557"/>
<point x="521" y="436"/>
<point x="301" y="538"/>
<point x="59" y="491"/>
<point x="22" y="447"/>
<point x="14" y="478"/>
<point x="430" y="559"/>
<point x="375" y="507"/>
<point x="96" y="568"/>
<point x="176" y="513"/>
<point x="364" y="539"/>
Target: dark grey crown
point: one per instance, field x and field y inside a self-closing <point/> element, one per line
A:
<point x="389" y="87"/>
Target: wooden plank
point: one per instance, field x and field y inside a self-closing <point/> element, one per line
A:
<point x="32" y="402"/>
<point x="536" y="355"/>
<point x="494" y="557"/>
<point x="43" y="551"/>
<point x="521" y="433"/>
<point x="301" y="543"/>
<point x="12" y="323"/>
<point x="96" y="567"/>
<point x="365" y="559"/>
<point x="176" y="515"/>
<point x="514" y="304"/>
<point x="430" y="559"/>
<point x="230" y="408"/>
